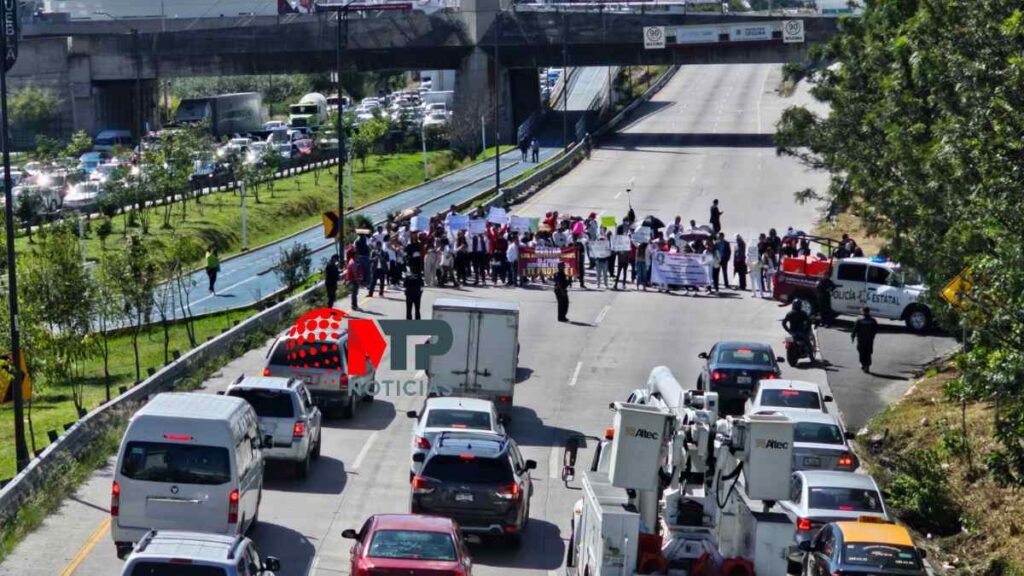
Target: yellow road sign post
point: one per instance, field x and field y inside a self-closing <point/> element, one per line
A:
<point x="7" y="378"/>
<point x="957" y="288"/>
<point x="332" y="227"/>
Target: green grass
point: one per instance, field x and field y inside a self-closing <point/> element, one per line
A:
<point x="296" y="203"/>
<point x="53" y="407"/>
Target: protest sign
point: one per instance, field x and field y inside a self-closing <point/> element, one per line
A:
<point x="620" y="243"/>
<point x="458" y="222"/>
<point x="600" y="248"/>
<point x="642" y="235"/>
<point x="608" y="221"/>
<point x="669" y="269"/>
<point x="477" y="226"/>
<point x="544" y="261"/>
<point x="419" y="223"/>
<point x="519" y="224"/>
<point x="497" y="216"/>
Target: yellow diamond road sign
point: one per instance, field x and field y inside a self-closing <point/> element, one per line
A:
<point x="956" y="289"/>
<point x="331" y="225"/>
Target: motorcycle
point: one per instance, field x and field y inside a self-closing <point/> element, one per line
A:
<point x="799" y="348"/>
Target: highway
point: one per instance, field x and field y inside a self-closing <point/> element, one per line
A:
<point x="700" y="138"/>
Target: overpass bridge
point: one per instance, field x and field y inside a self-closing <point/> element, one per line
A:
<point x="92" y="65"/>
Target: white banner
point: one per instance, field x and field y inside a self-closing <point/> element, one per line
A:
<point x="750" y="32"/>
<point x="477" y="226"/>
<point x="458" y="222"/>
<point x="419" y="223"/>
<point x="680" y="269"/>
<point x="696" y="35"/>
<point x="620" y="243"/>
<point x="519" y="224"/>
<point x="600" y="248"/>
<point x="497" y="216"/>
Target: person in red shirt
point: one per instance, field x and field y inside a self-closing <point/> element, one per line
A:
<point x="352" y="277"/>
<point x="497" y="246"/>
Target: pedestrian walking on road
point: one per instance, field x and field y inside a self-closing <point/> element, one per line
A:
<point x="716" y="216"/>
<point x="863" y="334"/>
<point x="352" y="270"/>
<point x="739" y="261"/>
<point x="212" y="268"/>
<point x="524" y="146"/>
<point x="413" y="295"/>
<point x="562" y="292"/>
<point x="535" y="148"/>
<point x="331" y="277"/>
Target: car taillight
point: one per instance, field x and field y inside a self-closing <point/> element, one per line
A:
<point x="299" y="430"/>
<point x="717" y="375"/>
<point x="504" y="399"/>
<point x="233" y="507"/>
<point x="846" y="460"/>
<point x="343" y="382"/>
<point x="508" y="491"/>
<point x="266" y="371"/>
<point x="115" y="499"/>
<point x="419" y="485"/>
<point x="803" y="524"/>
<point x="770" y="376"/>
<point x="787" y="344"/>
<point x="422" y="443"/>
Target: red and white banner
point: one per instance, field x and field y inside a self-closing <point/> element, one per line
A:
<point x="544" y="261"/>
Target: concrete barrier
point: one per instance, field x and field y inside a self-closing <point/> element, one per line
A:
<point x="54" y="460"/>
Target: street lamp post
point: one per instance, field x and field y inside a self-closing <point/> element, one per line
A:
<point x="565" y="80"/>
<point x="497" y="101"/>
<point x="423" y="140"/>
<point x="20" y="446"/>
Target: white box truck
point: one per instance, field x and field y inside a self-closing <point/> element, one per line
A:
<point x="484" y="356"/>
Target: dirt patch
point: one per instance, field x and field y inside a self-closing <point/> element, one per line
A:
<point x="848" y="223"/>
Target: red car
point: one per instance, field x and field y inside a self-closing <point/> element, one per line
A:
<point x="303" y="147"/>
<point x="410" y="545"/>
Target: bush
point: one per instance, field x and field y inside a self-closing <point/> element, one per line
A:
<point x="920" y="494"/>
<point x="294" y="264"/>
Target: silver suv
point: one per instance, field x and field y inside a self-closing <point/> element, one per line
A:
<point x="167" y="553"/>
<point x="289" y="422"/>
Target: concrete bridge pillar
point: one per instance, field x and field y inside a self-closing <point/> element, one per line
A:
<point x="475" y="91"/>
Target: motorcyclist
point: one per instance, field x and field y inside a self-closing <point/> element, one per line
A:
<point x="798" y="324"/>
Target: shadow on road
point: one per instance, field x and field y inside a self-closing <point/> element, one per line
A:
<point x="636" y="140"/>
<point x="294" y="550"/>
<point x="542" y="549"/>
<point x="326" y="476"/>
<point x="528" y="429"/>
<point x="376" y="415"/>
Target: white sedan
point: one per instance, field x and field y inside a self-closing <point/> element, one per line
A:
<point x="787" y="395"/>
<point x="451" y="414"/>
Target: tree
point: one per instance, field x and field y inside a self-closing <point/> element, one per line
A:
<point x="366" y="138"/>
<point x="293" y="265"/>
<point x="61" y="296"/>
<point x="111" y="310"/>
<point x="28" y="207"/>
<point x="34" y="108"/>
<point x="133" y="274"/>
<point x="47" y="148"/>
<point x="80" y="144"/>
<point x="924" y="140"/>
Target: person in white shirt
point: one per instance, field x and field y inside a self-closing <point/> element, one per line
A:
<point x="672" y="230"/>
<point x="512" y="255"/>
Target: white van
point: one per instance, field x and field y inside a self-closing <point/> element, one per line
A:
<point x="107" y="140"/>
<point x="187" y="462"/>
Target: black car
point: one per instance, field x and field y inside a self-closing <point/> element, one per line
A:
<point x="733" y="369"/>
<point x="478" y="479"/>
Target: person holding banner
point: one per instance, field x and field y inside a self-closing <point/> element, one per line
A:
<point x="562" y="292"/>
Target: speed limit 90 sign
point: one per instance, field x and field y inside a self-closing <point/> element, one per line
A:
<point x="654" y="37"/>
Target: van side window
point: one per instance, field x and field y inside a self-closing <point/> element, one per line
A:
<point x="243" y="456"/>
<point x="852" y="272"/>
<point x="878" y="275"/>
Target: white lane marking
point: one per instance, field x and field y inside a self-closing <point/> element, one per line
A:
<point x="554" y="469"/>
<point x="602" y="314"/>
<point x="692" y="180"/>
<point x="313" y="566"/>
<point x="576" y="373"/>
<point x="617" y="195"/>
<point x="364" y="451"/>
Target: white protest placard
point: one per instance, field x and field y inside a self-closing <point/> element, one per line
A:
<point x="458" y="222"/>
<point x="600" y="248"/>
<point x="519" y="224"/>
<point x="620" y="243"/>
<point x="419" y="223"/>
<point x="497" y="216"/>
<point x="642" y="235"/>
<point x="477" y="226"/>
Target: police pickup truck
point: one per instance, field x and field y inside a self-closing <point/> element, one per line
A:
<point x="877" y="283"/>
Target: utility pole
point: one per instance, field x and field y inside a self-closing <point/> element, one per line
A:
<point x="9" y="19"/>
<point x="423" y="140"/>
<point x="341" y="134"/>
<point x="245" y="243"/>
<point x="565" y="80"/>
<point x="497" y="101"/>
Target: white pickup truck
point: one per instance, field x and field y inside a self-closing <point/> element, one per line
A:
<point x="881" y="285"/>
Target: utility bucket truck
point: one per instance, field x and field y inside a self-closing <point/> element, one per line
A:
<point x="674" y="489"/>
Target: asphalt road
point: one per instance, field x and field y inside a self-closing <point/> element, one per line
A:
<point x="701" y="138"/>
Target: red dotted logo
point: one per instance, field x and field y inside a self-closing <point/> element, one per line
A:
<point x="313" y="340"/>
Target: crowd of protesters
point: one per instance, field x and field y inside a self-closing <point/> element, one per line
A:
<point x="394" y="256"/>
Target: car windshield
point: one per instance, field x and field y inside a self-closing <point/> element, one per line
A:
<point x="817" y="433"/>
<point x="176" y="463"/>
<point x="469" y="419"/>
<point x="267" y="403"/>
<point x="469" y="469"/>
<point x="882" y="556"/>
<point x="412" y="545"/>
<point x="845" y="499"/>
<point x="175" y="569"/>
<point x="745" y="356"/>
<point x="791" y="399"/>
